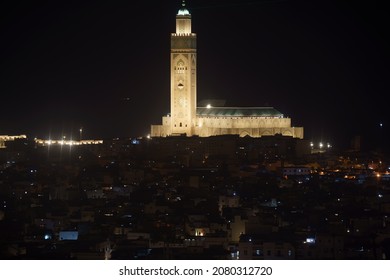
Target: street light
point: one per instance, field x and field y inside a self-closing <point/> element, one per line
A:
<point x="81" y="133"/>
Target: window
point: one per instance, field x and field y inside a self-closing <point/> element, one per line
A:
<point x="180" y="67"/>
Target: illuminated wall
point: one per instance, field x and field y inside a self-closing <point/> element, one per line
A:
<point x="5" y="138"/>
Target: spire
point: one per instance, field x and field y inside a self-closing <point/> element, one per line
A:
<point x="183" y="11"/>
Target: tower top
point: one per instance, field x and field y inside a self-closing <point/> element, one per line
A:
<point x="183" y="11"/>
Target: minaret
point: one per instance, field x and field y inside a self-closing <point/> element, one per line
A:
<point x="183" y="75"/>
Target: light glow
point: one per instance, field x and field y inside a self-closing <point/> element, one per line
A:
<point x="183" y="12"/>
<point x="310" y="240"/>
<point x="62" y="142"/>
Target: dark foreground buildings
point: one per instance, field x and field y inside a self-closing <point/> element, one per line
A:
<point x="222" y="197"/>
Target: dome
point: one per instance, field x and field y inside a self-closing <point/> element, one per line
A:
<point x="183" y="11"/>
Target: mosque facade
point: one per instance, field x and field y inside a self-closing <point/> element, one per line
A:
<point x="188" y="119"/>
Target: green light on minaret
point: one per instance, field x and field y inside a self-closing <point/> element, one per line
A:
<point x="183" y="11"/>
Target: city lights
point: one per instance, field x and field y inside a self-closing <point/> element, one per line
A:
<point x="320" y="147"/>
<point x="63" y="142"/>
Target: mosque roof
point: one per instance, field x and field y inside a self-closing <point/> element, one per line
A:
<point x="238" y="112"/>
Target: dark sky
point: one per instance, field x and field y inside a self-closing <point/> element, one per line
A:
<point x="104" y="65"/>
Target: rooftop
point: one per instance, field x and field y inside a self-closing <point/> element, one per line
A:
<point x="238" y="112"/>
<point x="183" y="11"/>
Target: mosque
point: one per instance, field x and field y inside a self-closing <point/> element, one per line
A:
<point x="189" y="120"/>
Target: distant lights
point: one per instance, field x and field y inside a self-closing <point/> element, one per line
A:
<point x="320" y="146"/>
<point x="64" y="142"/>
<point x="208" y="106"/>
<point x="310" y="240"/>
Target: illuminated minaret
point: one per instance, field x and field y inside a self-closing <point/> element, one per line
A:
<point x="183" y="75"/>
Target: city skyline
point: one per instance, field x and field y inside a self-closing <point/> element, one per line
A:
<point x="105" y="66"/>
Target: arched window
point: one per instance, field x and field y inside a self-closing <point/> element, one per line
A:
<point x="180" y="67"/>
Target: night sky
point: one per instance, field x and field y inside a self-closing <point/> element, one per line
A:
<point x="104" y="65"/>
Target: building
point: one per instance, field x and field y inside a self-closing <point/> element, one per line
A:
<point x="188" y="119"/>
<point x="296" y="171"/>
<point x="6" y="138"/>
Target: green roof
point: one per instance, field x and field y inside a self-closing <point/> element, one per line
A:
<point x="238" y="112"/>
